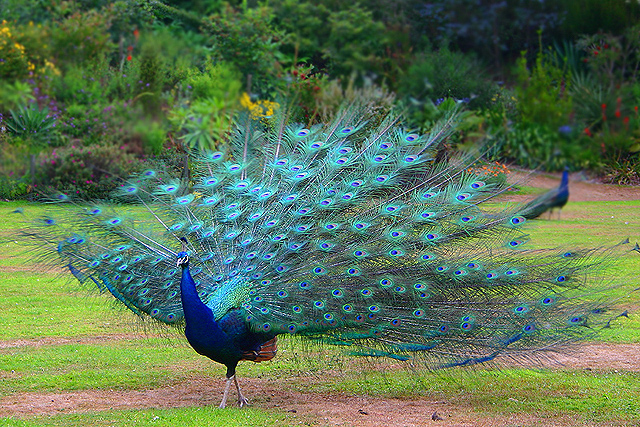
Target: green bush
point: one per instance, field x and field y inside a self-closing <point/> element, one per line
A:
<point x="542" y="93"/>
<point x="81" y="38"/>
<point x="443" y="73"/>
<point x="537" y="146"/>
<point x="90" y="171"/>
<point x="248" y="40"/>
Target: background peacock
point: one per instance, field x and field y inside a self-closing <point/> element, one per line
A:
<point x="552" y="199"/>
<point x="348" y="234"/>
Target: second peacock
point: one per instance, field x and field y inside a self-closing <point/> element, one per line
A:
<point x="348" y="233"/>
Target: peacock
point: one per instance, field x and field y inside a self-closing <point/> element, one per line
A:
<point x="554" y="198"/>
<point x="348" y="234"/>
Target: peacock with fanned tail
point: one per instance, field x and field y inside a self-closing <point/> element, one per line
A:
<point x="349" y="234"/>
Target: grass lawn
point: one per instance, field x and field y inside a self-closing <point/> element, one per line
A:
<point x="56" y="340"/>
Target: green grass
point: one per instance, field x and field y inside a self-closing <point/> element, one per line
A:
<point x="130" y="364"/>
<point x="94" y="346"/>
<point x="194" y="416"/>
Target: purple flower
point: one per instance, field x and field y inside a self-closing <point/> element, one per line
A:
<point x="565" y="129"/>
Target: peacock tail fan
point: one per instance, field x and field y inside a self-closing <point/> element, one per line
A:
<point x="348" y="233"/>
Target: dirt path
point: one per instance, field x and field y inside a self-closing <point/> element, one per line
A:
<point x="328" y="409"/>
<point x="580" y="188"/>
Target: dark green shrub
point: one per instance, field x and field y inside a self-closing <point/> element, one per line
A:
<point x="80" y="38"/>
<point x="90" y="171"/>
<point x="442" y="73"/>
<point x="248" y="40"/>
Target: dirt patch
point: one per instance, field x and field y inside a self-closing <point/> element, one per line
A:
<point x="46" y="341"/>
<point x="581" y="189"/>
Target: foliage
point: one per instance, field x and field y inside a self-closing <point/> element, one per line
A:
<point x="80" y="38"/>
<point x="442" y="73"/>
<point x="149" y="73"/>
<point x="33" y="125"/>
<point x="90" y="171"/>
<point x="152" y="135"/>
<point x="12" y="94"/>
<point x="336" y="39"/>
<point x="214" y="96"/>
<point x="14" y="60"/>
<point x="542" y="93"/>
<point x="595" y="16"/>
<point x="304" y="86"/>
<point x="537" y="146"/>
<point x="247" y="39"/>
<point x="613" y="59"/>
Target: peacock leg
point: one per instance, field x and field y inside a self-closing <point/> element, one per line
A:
<point x="242" y="401"/>
<point x="226" y="393"/>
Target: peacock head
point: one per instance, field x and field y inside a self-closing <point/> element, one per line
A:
<point x="183" y="256"/>
<point x="183" y="259"/>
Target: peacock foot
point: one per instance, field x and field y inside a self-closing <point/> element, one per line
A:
<point x="243" y="401"/>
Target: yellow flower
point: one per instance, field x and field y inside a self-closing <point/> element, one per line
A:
<point x="259" y="109"/>
<point x="245" y="101"/>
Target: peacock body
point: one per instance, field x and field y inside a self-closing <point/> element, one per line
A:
<point x="347" y="233"/>
<point x="552" y="199"/>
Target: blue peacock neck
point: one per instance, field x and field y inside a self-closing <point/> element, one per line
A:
<point x="195" y="311"/>
<point x="565" y="178"/>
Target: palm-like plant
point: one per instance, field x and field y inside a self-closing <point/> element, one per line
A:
<point x="33" y="126"/>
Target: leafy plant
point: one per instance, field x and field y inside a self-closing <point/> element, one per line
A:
<point x="214" y="95"/>
<point x="541" y="93"/>
<point x="203" y="125"/>
<point x="91" y="172"/>
<point x="80" y="38"/>
<point x="442" y="73"/>
<point x="31" y="123"/>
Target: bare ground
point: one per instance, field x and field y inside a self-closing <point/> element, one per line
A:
<point x="581" y="189"/>
<point x="336" y="409"/>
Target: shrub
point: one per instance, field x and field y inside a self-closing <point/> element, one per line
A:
<point x="90" y="172"/>
<point x="80" y="38"/>
<point x="542" y="94"/>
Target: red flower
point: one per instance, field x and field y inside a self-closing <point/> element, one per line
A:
<point x="618" y="113"/>
<point x="604" y="106"/>
<point x="129" y="58"/>
<point x="587" y="131"/>
<point x="136" y="34"/>
<point x="625" y="120"/>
